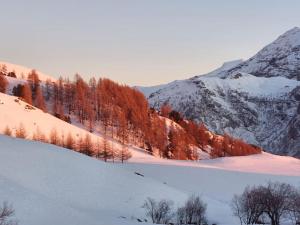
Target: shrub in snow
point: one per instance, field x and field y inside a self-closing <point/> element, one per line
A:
<point x="274" y="201"/>
<point x="7" y="131"/>
<point x="159" y="212"/>
<point x="193" y="212"/>
<point x="21" y="131"/>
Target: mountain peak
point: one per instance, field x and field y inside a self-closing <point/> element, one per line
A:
<point x="280" y="58"/>
<point x="290" y="37"/>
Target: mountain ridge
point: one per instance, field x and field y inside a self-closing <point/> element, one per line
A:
<point x="256" y="100"/>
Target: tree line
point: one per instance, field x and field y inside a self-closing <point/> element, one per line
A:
<point x="100" y="148"/>
<point x="123" y="114"/>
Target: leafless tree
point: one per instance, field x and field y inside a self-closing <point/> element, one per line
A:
<point x="193" y="212"/>
<point x="246" y="206"/>
<point x="159" y="212"/>
<point x="295" y="207"/>
<point x="6" y="215"/>
<point x="275" y="201"/>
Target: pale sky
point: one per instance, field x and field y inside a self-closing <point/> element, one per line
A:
<point x="139" y="42"/>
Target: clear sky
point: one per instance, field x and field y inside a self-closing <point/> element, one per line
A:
<point x="139" y="42"/>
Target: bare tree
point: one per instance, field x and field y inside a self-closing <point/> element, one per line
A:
<point x="193" y="212"/>
<point x="275" y="201"/>
<point x="295" y="207"/>
<point x="159" y="212"/>
<point x="246" y="206"/>
<point x="6" y="214"/>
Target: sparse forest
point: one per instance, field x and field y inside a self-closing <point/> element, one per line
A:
<point x="122" y="113"/>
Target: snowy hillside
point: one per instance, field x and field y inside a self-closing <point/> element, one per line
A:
<point x="256" y="100"/>
<point x="24" y="71"/>
<point x="43" y="180"/>
<point x="14" y="112"/>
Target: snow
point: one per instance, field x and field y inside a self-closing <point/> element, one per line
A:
<point x="252" y="85"/>
<point x="52" y="185"/>
<point x="13" y="112"/>
<point x="280" y="58"/>
<point x="225" y="67"/>
<point x="264" y="163"/>
<point x="43" y="180"/>
<point x="19" y="70"/>
<point x="149" y="90"/>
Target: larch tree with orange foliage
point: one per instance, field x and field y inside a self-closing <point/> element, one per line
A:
<point x="21" y="131"/>
<point x="39" y="99"/>
<point x="26" y="93"/>
<point x="3" y="84"/>
<point x="165" y="110"/>
<point x="7" y="131"/>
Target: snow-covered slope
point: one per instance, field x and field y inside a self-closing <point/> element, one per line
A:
<point x="256" y="100"/>
<point x="225" y="67"/>
<point x="264" y="163"/>
<point x="14" y="112"/>
<point x="149" y="90"/>
<point x="52" y="185"/>
<point x="24" y="71"/>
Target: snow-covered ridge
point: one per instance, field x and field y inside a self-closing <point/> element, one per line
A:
<point x="24" y="71"/>
<point x="280" y="58"/>
<point x="252" y="85"/>
<point x="225" y="67"/>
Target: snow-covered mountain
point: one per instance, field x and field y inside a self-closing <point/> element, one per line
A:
<point x="256" y="100"/>
<point x="51" y="185"/>
<point x="280" y="58"/>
